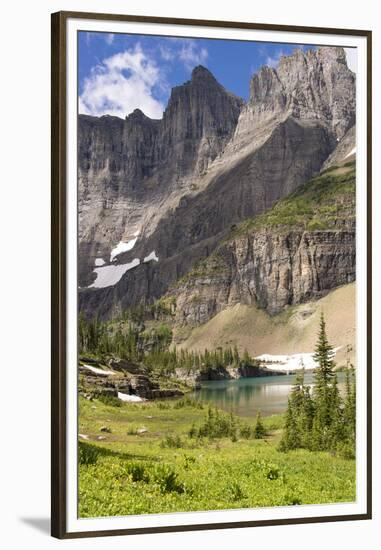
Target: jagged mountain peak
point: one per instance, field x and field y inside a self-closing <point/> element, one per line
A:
<point x="331" y="53"/>
<point x="313" y="85"/>
<point x="136" y="115"/>
<point x="200" y="73"/>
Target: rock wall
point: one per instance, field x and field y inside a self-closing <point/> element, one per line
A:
<point x="270" y="269"/>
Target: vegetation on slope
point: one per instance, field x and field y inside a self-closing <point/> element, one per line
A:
<point x="317" y="205"/>
<point x="293" y="330"/>
<point x="325" y="202"/>
<point x="132" y="341"/>
<point x="168" y="468"/>
<point x="324" y="420"/>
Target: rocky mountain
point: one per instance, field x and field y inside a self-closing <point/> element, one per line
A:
<point x="129" y="168"/>
<point x="298" y="251"/>
<point x="158" y="196"/>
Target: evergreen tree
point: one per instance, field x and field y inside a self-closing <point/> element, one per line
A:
<point x="306" y="418"/>
<point x="292" y="437"/>
<point x="349" y="414"/>
<point x="336" y="425"/>
<point x="324" y="376"/>
<point x="259" y="429"/>
<point x="246" y="359"/>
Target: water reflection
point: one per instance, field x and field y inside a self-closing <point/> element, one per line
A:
<point x="247" y="395"/>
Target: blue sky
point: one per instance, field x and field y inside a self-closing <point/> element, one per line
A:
<point x="121" y="72"/>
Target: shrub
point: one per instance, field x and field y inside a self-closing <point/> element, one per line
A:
<point x="293" y="500"/>
<point x="218" y="424"/>
<point x="188" y="402"/>
<point x="132" y="430"/>
<point x="236" y="491"/>
<point x="87" y="454"/>
<point x="162" y="405"/>
<point x="346" y="449"/>
<point x="259" y="430"/>
<point x="193" y="432"/>
<point x="137" y="471"/>
<point x="316" y="225"/>
<point x="246" y="432"/>
<point x="272" y="472"/>
<point x="166" y="478"/>
<point x="109" y="400"/>
<point x="172" y="442"/>
<point x="189" y="461"/>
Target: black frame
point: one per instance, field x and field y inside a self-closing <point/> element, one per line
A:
<point x="58" y="273"/>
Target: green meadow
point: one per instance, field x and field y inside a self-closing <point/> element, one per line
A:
<point x="168" y="456"/>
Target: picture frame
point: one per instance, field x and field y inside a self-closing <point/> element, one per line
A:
<point x="64" y="424"/>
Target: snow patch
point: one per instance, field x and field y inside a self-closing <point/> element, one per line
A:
<point x="109" y="275"/>
<point x="351" y="152"/>
<point x="150" y="257"/>
<point x="99" y="371"/>
<point x="123" y="247"/>
<point x="130" y="398"/>
<point x="293" y="362"/>
<point x="99" y="261"/>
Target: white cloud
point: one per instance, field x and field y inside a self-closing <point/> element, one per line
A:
<point x="185" y="50"/>
<point x="109" y="38"/>
<point x="122" y="83"/>
<point x="191" y="54"/>
<point x="351" y="54"/>
<point x="166" y="53"/>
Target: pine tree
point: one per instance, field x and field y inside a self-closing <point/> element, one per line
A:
<point x="349" y="414"/>
<point x="336" y="428"/>
<point x="259" y="429"/>
<point x="246" y="359"/>
<point x="306" y="419"/>
<point x="324" y="376"/>
<point x="292" y="436"/>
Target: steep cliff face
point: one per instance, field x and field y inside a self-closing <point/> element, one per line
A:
<point x="197" y="123"/>
<point x="272" y="271"/>
<point x="181" y="183"/>
<point x="299" y="251"/>
<point x="134" y="171"/>
<point x="138" y="161"/>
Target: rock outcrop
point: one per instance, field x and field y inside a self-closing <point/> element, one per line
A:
<point x="315" y="85"/>
<point x="272" y="270"/>
<point x="125" y="377"/>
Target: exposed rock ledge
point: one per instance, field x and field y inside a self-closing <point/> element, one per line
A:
<point x="122" y="377"/>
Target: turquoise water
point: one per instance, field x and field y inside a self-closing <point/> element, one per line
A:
<point x="246" y="396"/>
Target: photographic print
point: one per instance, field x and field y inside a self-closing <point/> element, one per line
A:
<point x="216" y="276"/>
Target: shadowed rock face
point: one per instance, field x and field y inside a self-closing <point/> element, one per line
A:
<point x="210" y="163"/>
<point x="272" y="270"/>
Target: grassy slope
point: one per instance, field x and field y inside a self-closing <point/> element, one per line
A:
<point x="212" y="474"/>
<point x="316" y="205"/>
<point x="292" y="331"/>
